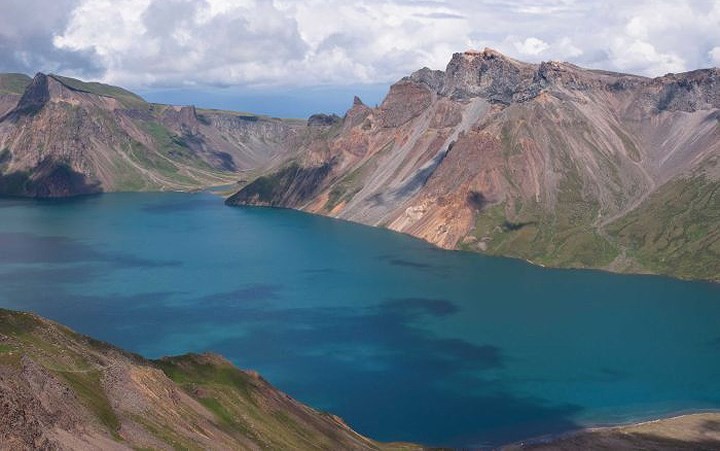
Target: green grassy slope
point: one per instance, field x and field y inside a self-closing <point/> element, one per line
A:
<point x="127" y="98"/>
<point x="675" y="231"/>
<point x="13" y="83"/>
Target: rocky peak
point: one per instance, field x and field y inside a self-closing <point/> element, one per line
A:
<point x="478" y="73"/>
<point x="487" y="73"/>
<point x="553" y="73"/>
<point x="323" y="120"/>
<point x="357" y="113"/>
<point x="181" y="118"/>
<point x="188" y="113"/>
<point x="183" y="114"/>
<point x="690" y="91"/>
<point x="503" y="80"/>
<point x="434" y="79"/>
<point x="36" y="95"/>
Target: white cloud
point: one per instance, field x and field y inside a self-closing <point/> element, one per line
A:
<point x="566" y="49"/>
<point x="640" y="56"/>
<point x="714" y="55"/>
<point x="141" y="43"/>
<point x="531" y="46"/>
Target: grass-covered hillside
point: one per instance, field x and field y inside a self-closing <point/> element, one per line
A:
<point x="62" y="390"/>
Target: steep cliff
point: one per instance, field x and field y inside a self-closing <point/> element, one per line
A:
<point x="61" y="137"/>
<point x="548" y="162"/>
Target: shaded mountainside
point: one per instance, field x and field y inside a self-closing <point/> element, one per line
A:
<point x="62" y="137"/>
<point x="549" y="162"/>
<point x="62" y="390"/>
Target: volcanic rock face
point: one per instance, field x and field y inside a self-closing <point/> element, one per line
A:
<point x="323" y="120"/>
<point x="63" y="137"/>
<point x="552" y="163"/>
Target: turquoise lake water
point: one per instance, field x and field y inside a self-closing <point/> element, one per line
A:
<point x="402" y="340"/>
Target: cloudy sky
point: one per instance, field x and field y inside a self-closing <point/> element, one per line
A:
<point x="216" y="49"/>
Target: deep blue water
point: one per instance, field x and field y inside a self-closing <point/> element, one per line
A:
<point x="404" y="341"/>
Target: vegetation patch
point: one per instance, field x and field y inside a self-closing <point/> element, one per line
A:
<point x="192" y="369"/>
<point x="675" y="231"/>
<point x="222" y="414"/>
<point x="291" y="185"/>
<point x="125" y="97"/>
<point x="17" y="324"/>
<point x="347" y="187"/>
<point x="14" y="83"/>
<point x="88" y="387"/>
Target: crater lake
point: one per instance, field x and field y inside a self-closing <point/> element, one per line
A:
<point x="404" y="341"/>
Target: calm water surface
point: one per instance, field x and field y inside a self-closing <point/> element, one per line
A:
<point x="404" y="341"/>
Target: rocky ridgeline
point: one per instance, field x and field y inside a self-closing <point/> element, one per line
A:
<point x="499" y="79"/>
<point x="576" y="167"/>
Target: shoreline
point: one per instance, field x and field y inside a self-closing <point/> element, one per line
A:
<point x="512" y="257"/>
<point x="667" y="423"/>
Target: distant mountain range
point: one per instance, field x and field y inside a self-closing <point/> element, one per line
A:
<point x="550" y="162"/>
<point x="62" y="137"/>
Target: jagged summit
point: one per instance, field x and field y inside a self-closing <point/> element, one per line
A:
<point x="44" y="88"/>
<point x="36" y="95"/>
<point x="488" y="54"/>
<point x="499" y="79"/>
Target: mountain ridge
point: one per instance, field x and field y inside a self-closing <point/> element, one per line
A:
<point x="544" y="162"/>
<point x="549" y="162"/>
<point x="61" y="136"/>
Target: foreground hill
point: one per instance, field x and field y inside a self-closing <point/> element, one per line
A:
<point x="552" y="163"/>
<point x="62" y="390"/>
<point x="62" y="137"/>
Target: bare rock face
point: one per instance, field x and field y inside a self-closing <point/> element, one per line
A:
<point x="405" y="101"/>
<point x="488" y="74"/>
<point x="357" y="114"/>
<point x="568" y="163"/>
<point x="433" y="79"/>
<point x="323" y="120"/>
<point x="33" y="99"/>
<point x="697" y="90"/>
